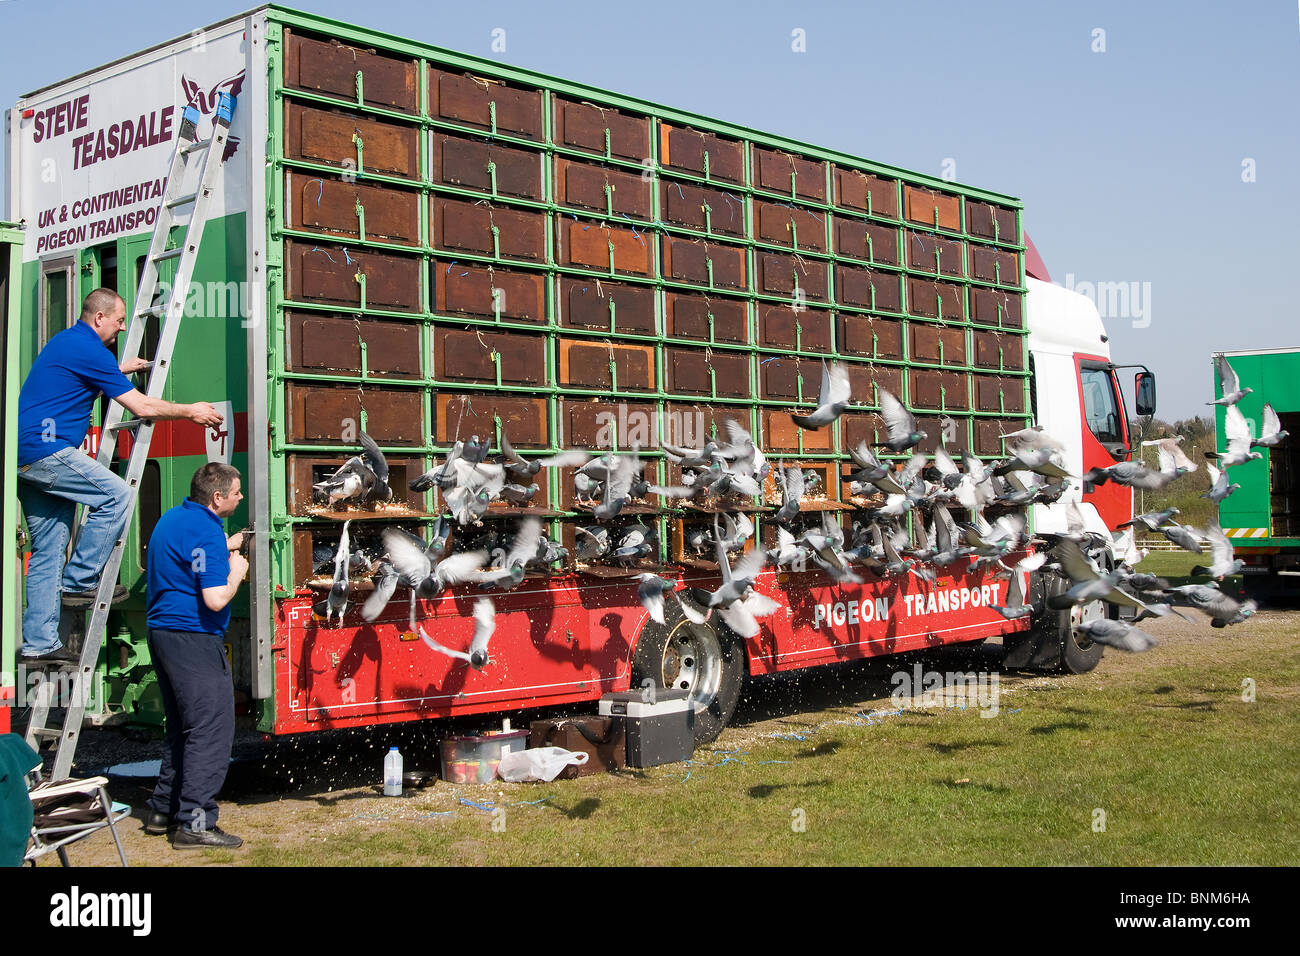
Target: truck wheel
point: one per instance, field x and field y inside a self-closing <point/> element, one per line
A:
<point x="708" y="665"/>
<point x="1078" y="654"/>
<point x="1055" y="644"/>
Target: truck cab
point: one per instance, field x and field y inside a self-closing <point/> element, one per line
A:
<point x="1076" y="397"/>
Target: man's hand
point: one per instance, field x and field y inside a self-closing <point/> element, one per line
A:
<point x="238" y="566"/>
<point x="236" y="541"/>
<point x="131" y="366"/>
<point x="204" y="414"/>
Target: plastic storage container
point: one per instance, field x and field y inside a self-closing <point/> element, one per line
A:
<point x="474" y="759"/>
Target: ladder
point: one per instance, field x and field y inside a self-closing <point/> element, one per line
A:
<point x="190" y="153"/>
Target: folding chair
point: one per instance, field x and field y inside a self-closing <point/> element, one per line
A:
<point x="71" y="810"/>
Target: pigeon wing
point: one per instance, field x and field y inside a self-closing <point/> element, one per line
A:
<point x="1227" y="377"/>
<point x="374" y="457"/>
<point x="898" y="419"/>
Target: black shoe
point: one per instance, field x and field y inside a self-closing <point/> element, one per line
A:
<point x="214" y="837"/>
<point x="159" y="823"/>
<point x="87" y="598"/>
<point x="62" y="657"/>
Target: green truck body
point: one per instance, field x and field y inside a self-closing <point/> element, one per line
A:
<point x="1262" y="517"/>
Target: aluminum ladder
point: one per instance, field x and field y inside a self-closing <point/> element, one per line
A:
<point x="189" y="151"/>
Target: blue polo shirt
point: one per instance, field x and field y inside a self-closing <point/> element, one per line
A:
<point x="187" y="553"/>
<point x="55" y="402"/>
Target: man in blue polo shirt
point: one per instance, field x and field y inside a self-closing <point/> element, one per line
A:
<point x="194" y="572"/>
<point x="54" y="476"/>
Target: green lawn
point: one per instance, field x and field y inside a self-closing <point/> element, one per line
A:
<point x="1184" y="771"/>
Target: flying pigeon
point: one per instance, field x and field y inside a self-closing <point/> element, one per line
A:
<point x="1228" y="383"/>
<point x="832" y="399"/>
<point x="484" y="627"/>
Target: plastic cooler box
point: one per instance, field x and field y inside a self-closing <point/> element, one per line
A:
<point x="474" y="759"/>
<point x="658" y="731"/>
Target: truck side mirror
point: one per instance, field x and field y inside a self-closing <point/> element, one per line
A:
<point x="1145" y="386"/>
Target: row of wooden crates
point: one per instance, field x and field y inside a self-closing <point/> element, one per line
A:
<point x="326" y="134"/>
<point x="333" y="275"/>
<point x="336" y="206"/>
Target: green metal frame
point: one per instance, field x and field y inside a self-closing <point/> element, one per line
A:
<point x="11" y="235"/>
<point x="651" y="231"/>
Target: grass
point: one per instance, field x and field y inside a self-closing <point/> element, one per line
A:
<point x="1184" y="770"/>
<point x="1171" y="564"/>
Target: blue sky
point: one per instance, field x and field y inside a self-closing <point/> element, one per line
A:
<point x="1129" y="161"/>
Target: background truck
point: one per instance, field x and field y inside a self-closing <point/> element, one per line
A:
<point x="1262" y="517"/>
<point x="426" y="246"/>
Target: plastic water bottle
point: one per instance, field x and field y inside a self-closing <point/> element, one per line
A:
<point x="393" y="773"/>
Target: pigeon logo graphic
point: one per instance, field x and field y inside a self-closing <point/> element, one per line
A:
<point x="206" y="102"/>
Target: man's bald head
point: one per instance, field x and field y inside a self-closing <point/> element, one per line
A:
<point x="105" y="312"/>
<point x="101" y="300"/>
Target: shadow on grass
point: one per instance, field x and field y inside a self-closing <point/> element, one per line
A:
<point x="986" y="787"/>
<point x="1056" y="728"/>
<point x="957" y="748"/>
<point x="764" y="790"/>
<point x="582" y="810"/>
<point x="827" y="749"/>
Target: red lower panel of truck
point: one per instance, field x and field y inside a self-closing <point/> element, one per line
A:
<point x="567" y="640"/>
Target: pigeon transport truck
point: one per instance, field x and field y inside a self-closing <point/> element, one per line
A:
<point x="427" y="248"/>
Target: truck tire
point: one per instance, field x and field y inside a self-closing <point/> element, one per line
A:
<point x="1054" y="644"/>
<point x="709" y="664"/>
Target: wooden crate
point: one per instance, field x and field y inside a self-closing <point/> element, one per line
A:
<point x="330" y="344"/>
<point x="779" y="274"/>
<point x="784" y="327"/>
<point x="701" y="153"/>
<point x="683" y="204"/>
<point x="585" y="363"/>
<point x="864" y="192"/>
<point x="460" y="161"/>
<point x="868" y="336"/>
<point x="592" y="128"/>
<point x="469" y="100"/>
<point x="586" y="245"/>
<point x="774" y="170"/>
<point x="930" y="207"/>
<point x="484" y="229"/>
<point x="328" y="137"/>
<point x="602" y="189"/>
<point x="784" y="224"/>
<point x="467" y="356"/>
<point x="324" y="204"/>
<point x="619" y="308"/>
<point x="327" y="274"/>
<point x="868" y="288"/>
<point x="686" y="316"/>
<point x="460" y="288"/>
<point x="330" y="67"/>
<point x="873" y="242"/>
<point x="328" y="414"/>
<point x="697" y="261"/>
<point x="458" y="416"/>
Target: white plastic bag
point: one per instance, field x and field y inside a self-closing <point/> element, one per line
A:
<point x="540" y="763"/>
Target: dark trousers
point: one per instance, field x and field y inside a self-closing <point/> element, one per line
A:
<point x="199" y="702"/>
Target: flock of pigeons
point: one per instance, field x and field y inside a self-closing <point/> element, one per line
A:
<point x="882" y="543"/>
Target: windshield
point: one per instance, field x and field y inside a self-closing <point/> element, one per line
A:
<point x="1100" y="409"/>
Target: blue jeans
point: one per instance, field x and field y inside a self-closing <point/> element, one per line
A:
<point x="50" y="490"/>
